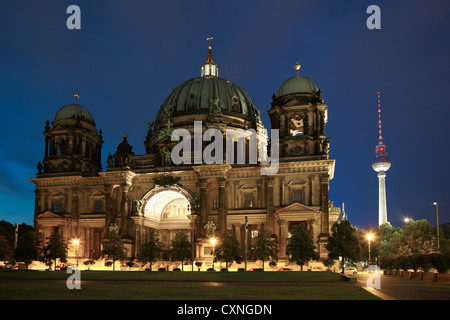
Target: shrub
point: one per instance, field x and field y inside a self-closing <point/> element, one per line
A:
<point x="211" y="269"/>
<point x="176" y="269"/>
<point x="224" y="270"/>
<point x="387" y="263"/>
<point x="440" y="261"/>
<point x="328" y="263"/>
<point x="404" y="262"/>
<point x="424" y="262"/>
<point x="162" y="269"/>
<point x="241" y="270"/>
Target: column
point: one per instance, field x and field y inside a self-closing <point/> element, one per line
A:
<point x="37" y="201"/>
<point x="237" y="232"/>
<point x="223" y="205"/>
<point x="75" y="214"/>
<point x="324" y="203"/>
<point x="46" y="146"/>
<point x="270" y="204"/>
<point x="204" y="215"/>
<point x="283" y="235"/>
<point x="125" y="212"/>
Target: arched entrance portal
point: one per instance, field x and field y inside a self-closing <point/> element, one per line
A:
<point x="165" y="210"/>
<point x="167" y="205"/>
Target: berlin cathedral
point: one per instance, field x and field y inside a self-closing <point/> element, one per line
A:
<point x="77" y="198"/>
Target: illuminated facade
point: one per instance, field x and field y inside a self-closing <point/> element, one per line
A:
<point x="139" y="193"/>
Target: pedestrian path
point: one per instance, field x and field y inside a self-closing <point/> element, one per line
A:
<point x="398" y="288"/>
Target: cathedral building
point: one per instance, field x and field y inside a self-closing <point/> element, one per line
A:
<point x="77" y="198"/>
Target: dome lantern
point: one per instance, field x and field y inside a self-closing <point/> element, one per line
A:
<point x="209" y="68"/>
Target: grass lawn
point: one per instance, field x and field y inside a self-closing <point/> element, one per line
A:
<point x="124" y="285"/>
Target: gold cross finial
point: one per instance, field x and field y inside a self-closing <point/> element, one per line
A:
<point x="297" y="67"/>
<point x="209" y="39"/>
<point x="76" y="95"/>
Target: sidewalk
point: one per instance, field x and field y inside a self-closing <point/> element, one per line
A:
<point x="401" y="288"/>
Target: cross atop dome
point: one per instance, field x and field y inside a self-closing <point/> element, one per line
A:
<point x="209" y="39"/>
<point x="297" y="67"/>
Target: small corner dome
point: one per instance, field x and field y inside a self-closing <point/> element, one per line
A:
<point x="297" y="84"/>
<point x="75" y="112"/>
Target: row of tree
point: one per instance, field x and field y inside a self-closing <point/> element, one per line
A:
<point x="416" y="245"/>
<point x="412" y="246"/>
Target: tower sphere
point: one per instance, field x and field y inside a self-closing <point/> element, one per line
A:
<point x="382" y="162"/>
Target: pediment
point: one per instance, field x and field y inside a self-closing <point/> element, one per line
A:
<point x="296" y="103"/>
<point x="296" y="208"/>
<point x="49" y="215"/>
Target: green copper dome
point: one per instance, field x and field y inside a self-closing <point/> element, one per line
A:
<point x="76" y="112"/>
<point x="297" y="84"/>
<point x="208" y="94"/>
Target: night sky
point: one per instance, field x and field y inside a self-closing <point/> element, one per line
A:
<point x="129" y="55"/>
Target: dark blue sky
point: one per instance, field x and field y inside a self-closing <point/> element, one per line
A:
<point x="129" y="55"/>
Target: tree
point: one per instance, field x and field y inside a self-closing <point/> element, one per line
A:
<point x="89" y="263"/>
<point x="150" y="250"/>
<point x="328" y="263"/>
<point x="300" y="247"/>
<point x="229" y="249"/>
<point x="27" y="248"/>
<point x="386" y="235"/>
<point x="7" y="231"/>
<point x="113" y="247"/>
<point x="343" y="242"/>
<point x="55" y="248"/>
<point x="417" y="237"/>
<point x="266" y="246"/>
<point x="6" y="249"/>
<point x="181" y="248"/>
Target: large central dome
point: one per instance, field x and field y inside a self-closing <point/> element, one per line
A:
<point x="208" y="94"/>
<point x="206" y="101"/>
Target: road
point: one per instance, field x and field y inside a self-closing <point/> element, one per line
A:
<point x="397" y="288"/>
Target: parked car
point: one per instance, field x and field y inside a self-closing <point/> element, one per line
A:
<point x="256" y="269"/>
<point x="350" y="271"/>
<point x="285" y="269"/>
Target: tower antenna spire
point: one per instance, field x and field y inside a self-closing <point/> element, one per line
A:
<point x="380" y="137"/>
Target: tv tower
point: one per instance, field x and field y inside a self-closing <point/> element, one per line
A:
<point x="381" y="165"/>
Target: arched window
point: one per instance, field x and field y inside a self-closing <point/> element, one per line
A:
<point x="57" y="206"/>
<point x="61" y="147"/>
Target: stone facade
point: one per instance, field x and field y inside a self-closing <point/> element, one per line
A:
<point x="147" y="192"/>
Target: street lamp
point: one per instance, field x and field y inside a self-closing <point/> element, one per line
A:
<point x="437" y="222"/>
<point x="406" y="220"/>
<point x="213" y="241"/>
<point x="369" y="237"/>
